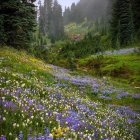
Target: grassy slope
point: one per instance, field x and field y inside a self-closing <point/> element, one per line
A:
<point x="124" y="68"/>
<point x="17" y="69"/>
<point x="19" y="62"/>
<point x="123" y="71"/>
<point x="20" y="71"/>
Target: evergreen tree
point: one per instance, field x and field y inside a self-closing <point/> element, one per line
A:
<point x="136" y="15"/>
<point x="66" y="15"/>
<point x="45" y="17"/>
<point x="57" y="30"/>
<point x="126" y="23"/>
<point x="48" y="15"/>
<point x="122" y="23"/>
<point x="42" y="25"/>
<point x="72" y="14"/>
<point x="51" y="20"/>
<point x="17" y="21"/>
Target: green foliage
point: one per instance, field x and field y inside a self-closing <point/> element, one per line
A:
<point x="123" y="23"/>
<point x="40" y="46"/>
<point x="89" y="45"/>
<point x="83" y="40"/>
<point x="78" y="29"/>
<point x="2" y="34"/>
<point x="17" y="22"/>
<point x="136" y="15"/>
<point x="117" y="66"/>
<point x="24" y="78"/>
<point x="71" y="61"/>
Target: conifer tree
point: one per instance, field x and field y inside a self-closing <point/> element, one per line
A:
<point x="45" y="17"/>
<point x="66" y="15"/>
<point x="48" y="15"/>
<point x="126" y="22"/>
<point x="42" y="25"/>
<point x="17" y="21"/>
<point x="57" y="23"/>
<point x="122" y="28"/>
<point x="136" y="15"/>
<point x="51" y="20"/>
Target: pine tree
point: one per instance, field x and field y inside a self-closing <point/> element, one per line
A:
<point x="115" y="23"/>
<point x="17" y="22"/>
<point x="51" y="20"/>
<point x="136" y="15"/>
<point x="122" y="28"/>
<point x="126" y="22"/>
<point x="57" y="29"/>
<point x="48" y="15"/>
<point x="42" y="25"/>
<point x="45" y="17"/>
<point x="66" y="15"/>
<point x="72" y="14"/>
<point x="2" y="33"/>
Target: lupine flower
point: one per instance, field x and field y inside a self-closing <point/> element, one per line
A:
<point x="2" y="138"/>
<point x="20" y="137"/>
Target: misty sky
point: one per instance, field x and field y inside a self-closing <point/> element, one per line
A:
<point x="65" y="2"/>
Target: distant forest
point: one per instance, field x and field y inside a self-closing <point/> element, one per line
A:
<point x="119" y="21"/>
<point x="90" y="9"/>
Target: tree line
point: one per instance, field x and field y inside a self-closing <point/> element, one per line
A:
<point x="119" y="21"/>
<point x="51" y="20"/>
<point x="122" y="17"/>
<point x="19" y="20"/>
<point x="90" y="9"/>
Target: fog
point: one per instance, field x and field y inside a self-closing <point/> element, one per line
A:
<point x="93" y="8"/>
<point x="63" y="3"/>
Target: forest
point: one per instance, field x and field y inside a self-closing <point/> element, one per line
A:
<point x="69" y="72"/>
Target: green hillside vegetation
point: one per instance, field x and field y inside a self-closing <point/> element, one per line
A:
<point x="123" y="67"/>
<point x="74" y="29"/>
<point x="72" y="75"/>
<point x="30" y="79"/>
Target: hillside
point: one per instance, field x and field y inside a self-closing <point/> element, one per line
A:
<point x="123" y="67"/>
<point x="47" y="102"/>
<point x="70" y="73"/>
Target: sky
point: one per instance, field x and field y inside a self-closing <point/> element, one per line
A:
<point x="65" y="2"/>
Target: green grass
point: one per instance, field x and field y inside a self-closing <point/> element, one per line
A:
<point x="21" y="63"/>
<point x="121" y="68"/>
<point x="134" y="104"/>
<point x="18" y="69"/>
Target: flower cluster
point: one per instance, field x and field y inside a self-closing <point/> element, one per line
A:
<point x="38" y="110"/>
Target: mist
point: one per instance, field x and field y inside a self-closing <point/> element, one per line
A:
<point x="93" y="8"/>
<point x="90" y="9"/>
